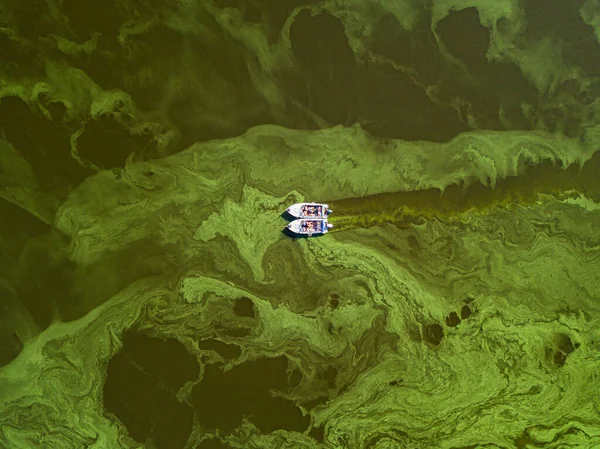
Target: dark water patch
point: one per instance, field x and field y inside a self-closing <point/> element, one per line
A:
<point x="389" y="39"/>
<point x="564" y="343"/>
<point x="317" y="433"/>
<point x="334" y="300"/>
<point x="10" y="344"/>
<point x="17" y="226"/>
<point x="140" y="389"/>
<point x="525" y="441"/>
<point x="224" y="56"/>
<point x="412" y="207"/>
<point x="393" y="106"/>
<point x="433" y="333"/>
<point x="86" y="16"/>
<point x="413" y="243"/>
<point x="328" y="63"/>
<point x="561" y="350"/>
<point x="212" y="443"/>
<point x="273" y="13"/>
<point x="107" y="143"/>
<point x="151" y="352"/>
<point x="484" y="90"/>
<point x="19" y="60"/>
<point x="498" y="87"/>
<point x="481" y="102"/>
<point x="221" y="399"/>
<point x="251" y="12"/>
<point x="243" y="307"/>
<point x="559" y="358"/>
<point x="574" y="88"/>
<point x="559" y="117"/>
<point x="295" y="378"/>
<point x="45" y="146"/>
<point x="12" y="318"/>
<point x="276" y="13"/>
<point x="465" y="312"/>
<point x="507" y="81"/>
<point x="329" y="375"/>
<point x="563" y="18"/>
<point x="555" y="356"/>
<point x="452" y="320"/>
<point x="586" y="54"/>
<point x="56" y="109"/>
<point x="33" y="19"/>
<point x="159" y="54"/>
<point x="417" y="48"/>
<point x="105" y="68"/>
<point x="465" y="37"/>
<point x="316" y="402"/>
<point x="222" y="66"/>
<point x="228" y="351"/>
<point x="568" y="27"/>
<point x="43" y="281"/>
<point x="335" y="87"/>
<point x="490" y="96"/>
<point x="187" y="111"/>
<point x="142" y="68"/>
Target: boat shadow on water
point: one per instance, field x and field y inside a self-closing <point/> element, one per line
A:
<point x="288" y="216"/>
<point x="293" y="235"/>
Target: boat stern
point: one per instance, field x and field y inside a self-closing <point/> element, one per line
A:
<point x="326" y="226"/>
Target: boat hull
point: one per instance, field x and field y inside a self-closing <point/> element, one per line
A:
<point x="309" y="227"/>
<point x="309" y="210"/>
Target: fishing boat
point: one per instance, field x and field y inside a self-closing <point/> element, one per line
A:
<point x="309" y="210"/>
<point x="309" y="227"/>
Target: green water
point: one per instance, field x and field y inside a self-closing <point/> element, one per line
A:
<point x="149" y="298"/>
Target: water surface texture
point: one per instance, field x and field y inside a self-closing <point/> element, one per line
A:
<point x="149" y="299"/>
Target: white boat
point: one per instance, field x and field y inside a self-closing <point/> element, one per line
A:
<point x="309" y="226"/>
<point x="309" y="210"/>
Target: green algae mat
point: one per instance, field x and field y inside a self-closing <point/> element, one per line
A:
<point x="149" y="298"/>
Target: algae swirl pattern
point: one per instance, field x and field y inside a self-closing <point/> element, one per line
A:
<point x="149" y="299"/>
